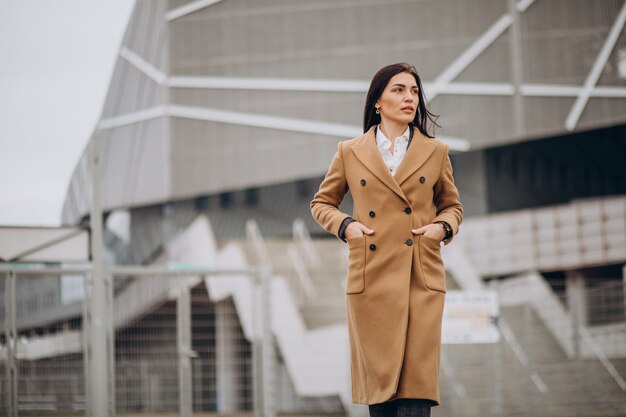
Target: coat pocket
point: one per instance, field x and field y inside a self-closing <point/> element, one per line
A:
<point x="356" y="265"/>
<point x="433" y="270"/>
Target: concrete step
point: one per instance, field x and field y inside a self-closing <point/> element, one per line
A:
<point x="324" y="314"/>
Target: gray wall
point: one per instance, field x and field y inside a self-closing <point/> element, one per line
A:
<point x="174" y="156"/>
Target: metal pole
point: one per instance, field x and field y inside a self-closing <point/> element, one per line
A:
<point x="519" y="114"/>
<point x="267" y="343"/>
<point x="185" y="353"/>
<point x="257" y="351"/>
<point x="99" y="384"/>
<point x="496" y="409"/>
<point x="576" y="322"/>
<point x="11" y="342"/>
<point x="86" y="343"/>
<point x="530" y="367"/>
<point x="110" y="297"/>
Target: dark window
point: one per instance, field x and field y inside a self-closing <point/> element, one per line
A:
<point x="532" y="173"/>
<point x="514" y="169"/>
<point x="252" y="196"/>
<point x="303" y="188"/>
<point x="497" y="164"/>
<point x="226" y="200"/>
<point x="202" y="203"/>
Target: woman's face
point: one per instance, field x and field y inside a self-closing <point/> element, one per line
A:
<point x="399" y="99"/>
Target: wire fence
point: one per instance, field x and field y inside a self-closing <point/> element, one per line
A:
<point x="571" y="363"/>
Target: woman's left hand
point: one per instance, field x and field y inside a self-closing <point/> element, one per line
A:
<point x="431" y="231"/>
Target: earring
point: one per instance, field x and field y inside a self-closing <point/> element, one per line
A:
<point x="377" y="110"/>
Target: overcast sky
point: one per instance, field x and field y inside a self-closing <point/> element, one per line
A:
<point x="56" y="62"/>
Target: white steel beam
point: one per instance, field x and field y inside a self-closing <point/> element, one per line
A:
<point x="550" y="90"/>
<point x="233" y="83"/>
<point x="188" y="9"/>
<point x="356" y="86"/>
<point x="251" y="119"/>
<point x="596" y="70"/>
<point x="605" y="91"/>
<point x="257" y="120"/>
<point x="469" y="55"/>
<point x="144" y="66"/>
<point x="134" y="117"/>
<point x="476" y="89"/>
<point x="522" y="5"/>
<point x="475" y="49"/>
<point x="284" y="123"/>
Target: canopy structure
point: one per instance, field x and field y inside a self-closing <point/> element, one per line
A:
<point x="44" y="244"/>
<point x="209" y="97"/>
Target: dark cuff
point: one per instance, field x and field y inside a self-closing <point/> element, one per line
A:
<point x="342" y="228"/>
<point x="447" y="228"/>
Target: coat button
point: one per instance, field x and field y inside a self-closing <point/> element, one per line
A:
<point x="409" y="242"/>
<point x="372" y="214"/>
<point x="408" y="210"/>
<point x="372" y="247"/>
<point x="362" y="182"/>
<point x="422" y="180"/>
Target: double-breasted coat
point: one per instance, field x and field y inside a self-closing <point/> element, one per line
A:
<point x="396" y="282"/>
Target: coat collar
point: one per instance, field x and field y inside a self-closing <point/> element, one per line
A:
<point x="419" y="150"/>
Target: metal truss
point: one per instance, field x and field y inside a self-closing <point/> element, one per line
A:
<point x="442" y="84"/>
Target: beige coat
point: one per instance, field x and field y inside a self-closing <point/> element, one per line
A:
<point x="396" y="280"/>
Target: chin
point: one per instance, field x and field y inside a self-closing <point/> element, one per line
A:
<point x="406" y="119"/>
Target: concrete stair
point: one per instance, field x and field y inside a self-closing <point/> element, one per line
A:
<point x="538" y="379"/>
<point x="328" y="307"/>
<point x="494" y="378"/>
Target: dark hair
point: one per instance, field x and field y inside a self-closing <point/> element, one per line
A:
<point x="378" y="84"/>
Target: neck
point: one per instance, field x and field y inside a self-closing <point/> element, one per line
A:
<point x="392" y="129"/>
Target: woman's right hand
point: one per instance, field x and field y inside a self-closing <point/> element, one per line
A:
<point x="356" y="229"/>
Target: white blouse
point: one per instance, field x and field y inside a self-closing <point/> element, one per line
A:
<point x="401" y="142"/>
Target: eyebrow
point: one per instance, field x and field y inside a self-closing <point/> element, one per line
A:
<point x="402" y="85"/>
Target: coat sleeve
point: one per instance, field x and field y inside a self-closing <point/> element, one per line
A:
<point x="449" y="208"/>
<point x="325" y="203"/>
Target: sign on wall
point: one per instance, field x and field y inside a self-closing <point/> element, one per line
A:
<point x="470" y="317"/>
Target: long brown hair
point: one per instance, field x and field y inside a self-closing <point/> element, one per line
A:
<point x="378" y="84"/>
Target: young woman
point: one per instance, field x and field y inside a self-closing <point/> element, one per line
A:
<point x="405" y="204"/>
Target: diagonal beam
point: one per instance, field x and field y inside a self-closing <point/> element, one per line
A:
<point x="469" y="55"/>
<point x="522" y="5"/>
<point x="252" y="119"/>
<point x="188" y="9"/>
<point x="144" y="66"/>
<point x="475" y="49"/>
<point x="596" y="70"/>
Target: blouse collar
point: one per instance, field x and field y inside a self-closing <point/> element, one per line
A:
<point x="384" y="143"/>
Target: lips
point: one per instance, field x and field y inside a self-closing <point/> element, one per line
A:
<point x="408" y="109"/>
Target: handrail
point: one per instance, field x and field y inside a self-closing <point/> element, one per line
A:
<point x="254" y="235"/>
<point x="301" y="272"/>
<point x="302" y="237"/>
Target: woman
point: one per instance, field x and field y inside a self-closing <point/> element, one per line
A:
<point x="405" y="204"/>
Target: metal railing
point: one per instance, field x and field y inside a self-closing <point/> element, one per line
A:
<point x="153" y="364"/>
<point x="181" y="348"/>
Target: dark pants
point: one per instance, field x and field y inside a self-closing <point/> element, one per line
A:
<point x="402" y="407"/>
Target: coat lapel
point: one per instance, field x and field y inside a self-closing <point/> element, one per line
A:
<point x="367" y="152"/>
<point x="418" y="152"/>
<point x="416" y="155"/>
